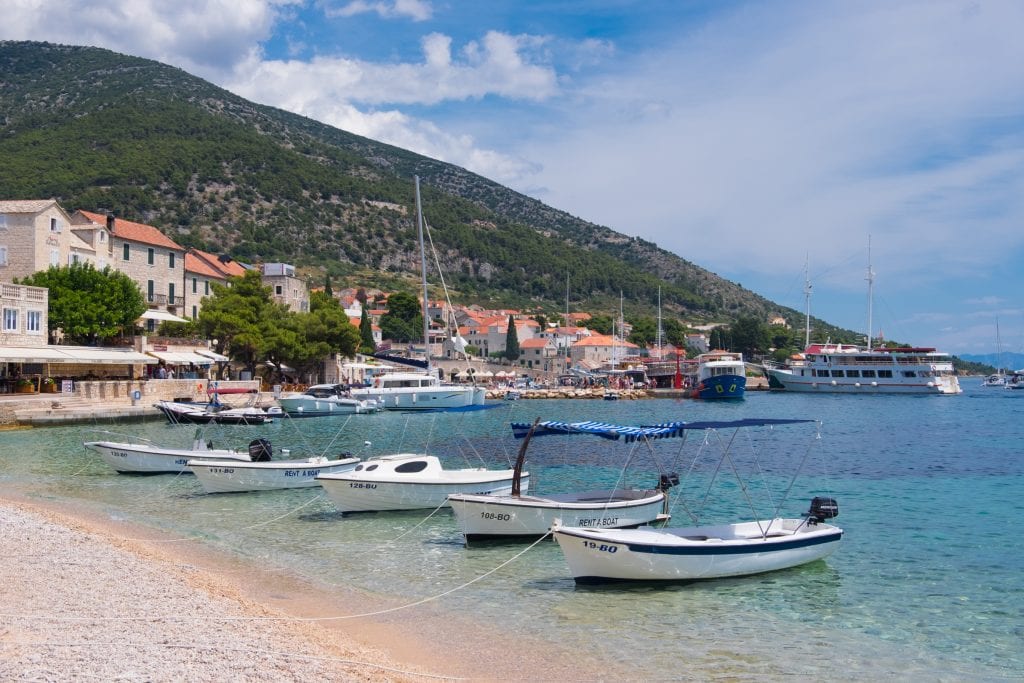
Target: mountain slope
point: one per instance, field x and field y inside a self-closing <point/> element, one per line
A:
<point x="103" y="131"/>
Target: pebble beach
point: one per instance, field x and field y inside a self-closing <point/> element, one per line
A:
<point x="78" y="604"/>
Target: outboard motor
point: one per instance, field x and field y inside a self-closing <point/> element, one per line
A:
<point x="260" y="450"/>
<point x="822" y="509"/>
<point x="667" y="481"/>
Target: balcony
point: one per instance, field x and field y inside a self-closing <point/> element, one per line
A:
<point x="164" y="300"/>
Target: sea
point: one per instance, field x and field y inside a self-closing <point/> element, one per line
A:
<point x="927" y="583"/>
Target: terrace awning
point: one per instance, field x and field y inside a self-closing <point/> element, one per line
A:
<point x="73" y="354"/>
<point x="181" y="357"/>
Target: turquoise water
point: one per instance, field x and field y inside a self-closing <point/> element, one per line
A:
<point x="927" y="582"/>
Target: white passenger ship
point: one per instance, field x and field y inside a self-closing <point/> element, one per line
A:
<point x="847" y="368"/>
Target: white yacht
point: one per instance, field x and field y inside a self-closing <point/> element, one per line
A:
<point x="419" y="391"/>
<point x="325" y="399"/>
<point x="847" y="368"/>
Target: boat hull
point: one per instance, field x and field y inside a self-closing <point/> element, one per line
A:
<point x="141" y="459"/>
<point x="357" y="494"/>
<point x="646" y="554"/>
<point x="786" y="380"/>
<point x="178" y="413"/>
<point x="425" y="398"/>
<point x="484" y="517"/>
<point x="306" y="406"/>
<point x="226" y="476"/>
<point x="721" y="386"/>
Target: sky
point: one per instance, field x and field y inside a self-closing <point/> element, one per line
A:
<point x="757" y="139"/>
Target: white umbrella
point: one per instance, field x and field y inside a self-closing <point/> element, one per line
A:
<point x="485" y="373"/>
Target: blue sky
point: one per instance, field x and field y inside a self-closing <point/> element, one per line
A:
<point x="747" y="137"/>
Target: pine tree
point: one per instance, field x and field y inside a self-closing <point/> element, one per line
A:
<point x="511" y="341"/>
<point x="366" y="333"/>
<point x="327" y="287"/>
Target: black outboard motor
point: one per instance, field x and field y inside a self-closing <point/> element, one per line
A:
<point x="667" y="481"/>
<point x="822" y="509"/>
<point x="260" y="450"/>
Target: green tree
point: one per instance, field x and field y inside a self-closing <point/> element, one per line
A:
<point x="602" y="324"/>
<point x="512" y="341"/>
<point x="404" y="321"/>
<point x="366" y="333"/>
<point x="327" y="286"/>
<point x="749" y="337"/>
<point x="645" y="332"/>
<point x="674" y="332"/>
<point x="89" y="306"/>
<point x="238" y="315"/>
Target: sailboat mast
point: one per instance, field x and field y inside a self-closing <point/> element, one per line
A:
<point x="659" y="322"/>
<point x="871" y="291"/>
<point x="423" y="271"/>
<point x="807" y="302"/>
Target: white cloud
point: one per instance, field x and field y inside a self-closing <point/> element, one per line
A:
<point x="771" y="133"/>
<point x="417" y="10"/>
<point x="204" y="37"/>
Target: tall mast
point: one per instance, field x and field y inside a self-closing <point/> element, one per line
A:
<point x="566" y="298"/>
<point x="659" y="322"/>
<point x="871" y="291"/>
<point x="807" y="302"/>
<point x="423" y="270"/>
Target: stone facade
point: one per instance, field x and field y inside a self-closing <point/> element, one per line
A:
<point x="34" y="235"/>
<point x="285" y="288"/>
<point x="23" y="315"/>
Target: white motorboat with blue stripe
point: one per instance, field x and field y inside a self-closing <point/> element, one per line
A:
<point x="700" y="551"/>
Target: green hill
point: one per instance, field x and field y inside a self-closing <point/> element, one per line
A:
<point x="107" y="132"/>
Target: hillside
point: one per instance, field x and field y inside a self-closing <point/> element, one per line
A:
<point x="107" y="132"/>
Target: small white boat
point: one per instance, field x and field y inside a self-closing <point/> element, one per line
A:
<point x="524" y="516"/>
<point x="201" y="413"/>
<point x="322" y="400"/>
<point x="150" y="459"/>
<point x="700" y="551"/>
<point x="509" y="517"/>
<point x="409" y="481"/>
<point x="264" y="474"/>
<point x="703" y="552"/>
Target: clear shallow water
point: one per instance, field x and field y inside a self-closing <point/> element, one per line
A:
<point x="927" y="581"/>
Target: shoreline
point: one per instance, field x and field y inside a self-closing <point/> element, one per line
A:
<point x="87" y="595"/>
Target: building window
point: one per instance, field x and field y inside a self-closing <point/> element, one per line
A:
<point x="170" y="260"/>
<point x="150" y="256"/>
<point x="54" y="225"/>
<point x="3" y="256"/>
<point x="103" y="236"/>
<point x="54" y="257"/>
<point x="34" y="322"/>
<point x="10" y="320"/>
<point x="195" y="312"/>
<point x="278" y="289"/>
<point x="195" y="285"/>
<point x="170" y="293"/>
<point x="73" y="259"/>
<point x="206" y="286"/>
<point x="127" y="251"/>
<point x="149" y="291"/>
<point x="3" y="221"/>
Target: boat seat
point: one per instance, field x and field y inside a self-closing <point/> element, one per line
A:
<point x="702" y="538"/>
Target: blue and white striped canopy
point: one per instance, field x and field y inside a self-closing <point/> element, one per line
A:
<point x="666" y="430"/>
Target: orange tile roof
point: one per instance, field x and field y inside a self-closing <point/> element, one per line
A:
<point x="194" y="264"/>
<point x="534" y="342"/>
<point x="226" y="268"/>
<point x="604" y="340"/>
<point x="136" y="232"/>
